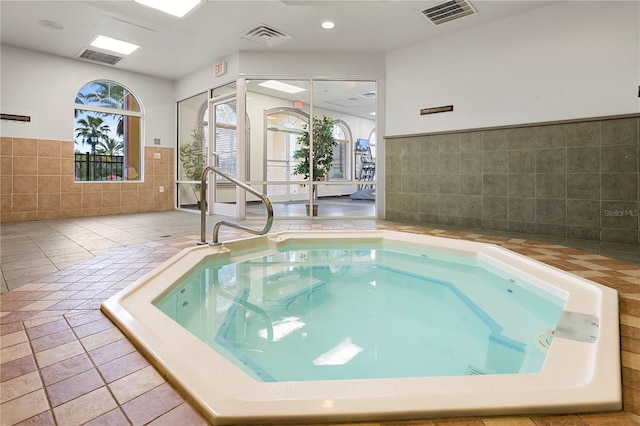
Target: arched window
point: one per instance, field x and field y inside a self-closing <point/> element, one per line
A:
<point x="108" y="133"/>
<point x="282" y="128"/>
<point x="372" y="143"/>
<point x="342" y="135"/>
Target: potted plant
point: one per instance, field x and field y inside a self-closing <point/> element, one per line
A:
<point x="323" y="144"/>
<point x="192" y="159"/>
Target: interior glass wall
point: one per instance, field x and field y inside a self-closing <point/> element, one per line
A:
<point x="193" y="135"/>
<point x="282" y="143"/>
<point x="326" y="163"/>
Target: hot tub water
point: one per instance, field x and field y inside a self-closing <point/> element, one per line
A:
<point x="358" y="312"/>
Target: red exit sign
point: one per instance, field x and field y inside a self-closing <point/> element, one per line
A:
<point x="220" y="69"/>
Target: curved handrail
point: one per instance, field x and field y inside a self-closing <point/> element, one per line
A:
<point x="216" y="228"/>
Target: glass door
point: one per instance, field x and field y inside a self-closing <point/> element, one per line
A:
<point x="193" y="139"/>
<point x="284" y="127"/>
<point x="318" y="123"/>
<point x="223" y="153"/>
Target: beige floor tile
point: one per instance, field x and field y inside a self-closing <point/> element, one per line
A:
<point x="23" y="408"/>
<point x="62" y="251"/>
<point x="100" y="339"/>
<point x="508" y="421"/>
<point x="13" y="249"/>
<point x="70" y="257"/>
<point x="100" y="245"/>
<point x="116" y="417"/>
<point x="20" y="386"/>
<point x="39" y="305"/>
<point x="590" y="265"/>
<point x="64" y="369"/>
<point x="590" y="274"/>
<point x="631" y="320"/>
<point x="151" y="405"/>
<point x="60" y="295"/>
<point x="29" y="273"/>
<point x="35" y="322"/>
<point x="14" y="352"/>
<point x="52" y="286"/>
<point x="59" y="353"/>
<point x="85" y="408"/>
<point x="135" y="384"/>
<point x="630" y="360"/>
<point x="182" y="414"/>
<point x="65" y="265"/>
<point x="48" y="314"/>
<point x="52" y="245"/>
<point x="22" y="263"/>
<point x="13" y="339"/>
<point x="20" y="281"/>
<point x="31" y="287"/>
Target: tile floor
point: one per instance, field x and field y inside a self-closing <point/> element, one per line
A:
<point x="62" y="362"/>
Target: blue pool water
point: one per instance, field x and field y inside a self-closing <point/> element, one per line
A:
<point x="355" y="312"/>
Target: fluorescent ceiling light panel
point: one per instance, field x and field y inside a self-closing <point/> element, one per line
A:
<point x="177" y="8"/>
<point x="282" y="87"/>
<point x="114" y="45"/>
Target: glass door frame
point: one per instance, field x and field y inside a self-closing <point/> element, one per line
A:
<point x="213" y="207"/>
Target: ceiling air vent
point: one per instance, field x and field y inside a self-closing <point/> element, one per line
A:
<point x="103" y="58"/>
<point x="448" y="11"/>
<point x="264" y="35"/>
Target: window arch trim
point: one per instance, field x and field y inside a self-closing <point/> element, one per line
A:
<point x="103" y="109"/>
<point x="106" y="110"/>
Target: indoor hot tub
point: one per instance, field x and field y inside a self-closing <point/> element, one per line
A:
<point x="372" y="325"/>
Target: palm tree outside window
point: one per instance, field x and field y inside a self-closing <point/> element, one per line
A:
<point x="107" y="130"/>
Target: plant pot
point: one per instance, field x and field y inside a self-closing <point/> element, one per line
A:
<point x="315" y="209"/>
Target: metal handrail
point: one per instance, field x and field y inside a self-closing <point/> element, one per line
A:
<point x="216" y="228"/>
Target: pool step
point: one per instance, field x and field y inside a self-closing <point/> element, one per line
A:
<point x="474" y="371"/>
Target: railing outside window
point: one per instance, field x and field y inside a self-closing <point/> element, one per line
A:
<point x="99" y="167"/>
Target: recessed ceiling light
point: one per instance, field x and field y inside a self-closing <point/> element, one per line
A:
<point x="177" y="8"/>
<point x="114" y="45"/>
<point x="282" y="87"/>
<point x="328" y="25"/>
<point x="52" y="25"/>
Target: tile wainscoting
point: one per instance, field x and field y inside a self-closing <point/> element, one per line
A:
<point x="571" y="179"/>
<point x="37" y="182"/>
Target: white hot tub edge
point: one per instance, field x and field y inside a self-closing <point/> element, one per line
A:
<point x="577" y="376"/>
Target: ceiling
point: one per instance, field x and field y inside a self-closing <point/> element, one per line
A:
<point x="175" y="47"/>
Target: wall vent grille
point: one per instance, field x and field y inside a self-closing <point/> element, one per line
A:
<point x="448" y="11"/>
<point x="103" y="58"/>
<point x="265" y="35"/>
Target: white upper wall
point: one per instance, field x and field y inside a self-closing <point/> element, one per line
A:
<point x="205" y="79"/>
<point x="311" y="64"/>
<point x="569" y="60"/>
<point x="282" y="65"/>
<point x="45" y="88"/>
